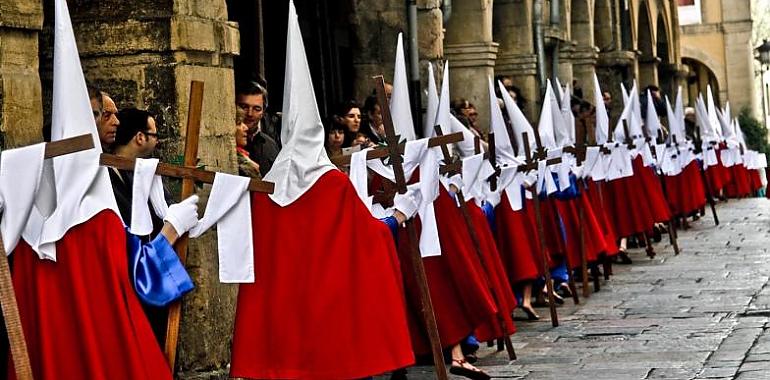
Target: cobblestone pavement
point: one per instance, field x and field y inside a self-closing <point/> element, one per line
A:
<point x="703" y="314"/>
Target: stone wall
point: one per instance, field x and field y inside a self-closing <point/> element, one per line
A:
<point x="21" y="119"/>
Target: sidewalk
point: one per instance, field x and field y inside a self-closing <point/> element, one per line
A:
<point x="700" y="315"/>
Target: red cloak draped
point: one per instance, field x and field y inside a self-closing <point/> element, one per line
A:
<point x="517" y="241"/>
<point x="593" y="234"/>
<point x="458" y="284"/>
<point x="328" y="302"/>
<point x="740" y="184"/>
<point x="81" y="316"/>
<point x="504" y="297"/>
<point x="595" y="198"/>
<point x="685" y="190"/>
<point x="636" y="202"/>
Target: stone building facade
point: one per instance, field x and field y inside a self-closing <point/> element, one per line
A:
<point x="716" y="49"/>
<point x="146" y="52"/>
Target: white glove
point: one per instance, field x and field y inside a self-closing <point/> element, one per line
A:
<point x="457" y="181"/>
<point x="530" y="178"/>
<point x="183" y="215"/>
<point x="409" y="202"/>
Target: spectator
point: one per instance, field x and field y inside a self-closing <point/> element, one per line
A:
<point x="246" y="166"/>
<point x="335" y="137"/>
<point x="371" y="124"/>
<point x="104" y="110"/>
<point x="348" y="115"/>
<point x="262" y="146"/>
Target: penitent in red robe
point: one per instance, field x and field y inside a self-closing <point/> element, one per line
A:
<point x="80" y="314"/>
<point x="328" y="299"/>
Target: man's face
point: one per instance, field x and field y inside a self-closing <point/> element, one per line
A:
<point x="253" y="107"/>
<point x="107" y="123"/>
<point x="607" y="98"/>
<point x="149" y="139"/>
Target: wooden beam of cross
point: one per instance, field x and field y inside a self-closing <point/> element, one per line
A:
<point x="429" y="318"/>
<point x="10" y="307"/>
<point x="709" y="194"/>
<point x="469" y="225"/>
<point x="189" y="175"/>
<point x="578" y="150"/>
<point x="541" y="153"/>
<point x="541" y="236"/>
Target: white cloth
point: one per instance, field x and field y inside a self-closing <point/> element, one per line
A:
<point x="20" y="173"/>
<point x="429" y="182"/>
<point x="359" y="178"/>
<point x="144" y="173"/>
<point x="229" y="208"/>
<point x="303" y="159"/>
<point x="602" y="119"/>
<point x="82" y="187"/>
<point x="414" y="151"/>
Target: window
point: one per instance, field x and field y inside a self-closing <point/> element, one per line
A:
<point x="689" y="12"/>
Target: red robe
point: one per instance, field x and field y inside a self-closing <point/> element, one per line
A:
<point x="458" y="284"/>
<point x="685" y="190"/>
<point x="592" y="232"/>
<point x="328" y="302"/>
<point x="517" y="241"/>
<point x="636" y="202"/>
<point x="595" y="198"/>
<point x="81" y="316"/>
<point x="504" y="297"/>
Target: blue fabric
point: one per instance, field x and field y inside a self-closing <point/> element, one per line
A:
<point x="392" y="224"/>
<point x="469" y="345"/>
<point x="571" y="193"/>
<point x="158" y="276"/>
<point x="560" y="274"/>
<point x="489" y="212"/>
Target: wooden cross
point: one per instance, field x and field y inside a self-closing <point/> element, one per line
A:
<point x="477" y="245"/>
<point x="10" y="307"/>
<point x="704" y="178"/>
<point x="189" y="175"/>
<point x="542" y="154"/>
<point x="429" y="318"/>
<point x="531" y="161"/>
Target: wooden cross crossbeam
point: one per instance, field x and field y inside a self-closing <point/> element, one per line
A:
<point x="383" y="152"/>
<point x="396" y="161"/>
<point x="477" y="247"/>
<point x="704" y="178"/>
<point x="10" y="308"/>
<point x="541" y="236"/>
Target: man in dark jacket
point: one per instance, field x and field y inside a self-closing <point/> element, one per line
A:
<point x="264" y="129"/>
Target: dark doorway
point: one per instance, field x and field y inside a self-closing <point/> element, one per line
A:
<point x="327" y="36"/>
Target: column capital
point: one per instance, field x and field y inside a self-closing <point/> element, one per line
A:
<point x="519" y="64"/>
<point x="472" y="54"/>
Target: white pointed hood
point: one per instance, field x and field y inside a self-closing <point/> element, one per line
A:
<point x="675" y="126"/>
<point x="432" y="109"/>
<point x="707" y="133"/>
<point x="518" y="121"/>
<point x="651" y="121"/>
<point x="568" y="116"/>
<point x="560" y="123"/>
<point x="302" y="160"/>
<point x="449" y="123"/>
<point x="503" y="150"/>
<point x="400" y="109"/>
<point x="711" y="110"/>
<point x="602" y="119"/>
<point x="545" y="125"/>
<point x="82" y="187"/>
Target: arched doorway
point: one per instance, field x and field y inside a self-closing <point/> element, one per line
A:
<point x="667" y="69"/>
<point x="700" y="76"/>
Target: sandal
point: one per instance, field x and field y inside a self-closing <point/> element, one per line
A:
<point x="460" y="370"/>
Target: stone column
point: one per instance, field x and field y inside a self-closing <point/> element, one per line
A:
<point x="471" y="53"/>
<point x="739" y="65"/>
<point x="612" y="69"/>
<point x="21" y="118"/>
<point x="147" y="59"/>
<point x="584" y="61"/>
<point x="516" y="57"/>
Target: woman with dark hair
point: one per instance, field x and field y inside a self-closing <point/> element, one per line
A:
<point x="348" y="115"/>
<point x="335" y="138"/>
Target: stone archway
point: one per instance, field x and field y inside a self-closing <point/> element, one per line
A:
<point x="512" y="29"/>
<point x="701" y="75"/>
<point x="645" y="43"/>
